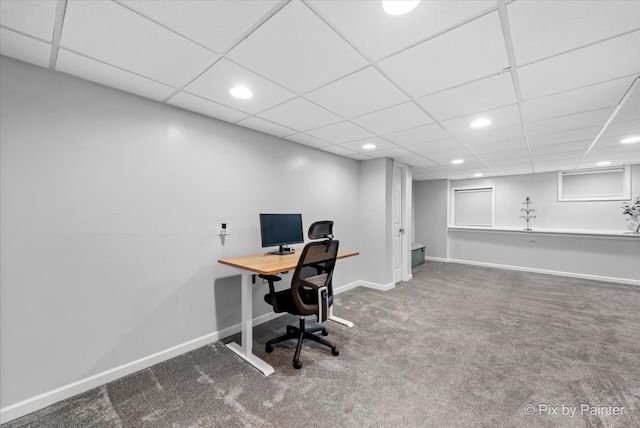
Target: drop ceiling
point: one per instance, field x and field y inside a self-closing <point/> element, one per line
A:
<point x="559" y="80"/>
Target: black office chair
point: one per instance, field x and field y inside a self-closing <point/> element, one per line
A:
<point x="311" y="291"/>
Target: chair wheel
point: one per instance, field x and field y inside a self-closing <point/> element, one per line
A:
<point x="335" y="351"/>
<point x="297" y="364"/>
<point x="324" y="332"/>
<point x="269" y="349"/>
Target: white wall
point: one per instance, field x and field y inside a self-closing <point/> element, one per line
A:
<point x="430" y="216"/>
<point x="110" y="205"/>
<point x="542" y="188"/>
<point x="374" y="222"/>
<point x="597" y="257"/>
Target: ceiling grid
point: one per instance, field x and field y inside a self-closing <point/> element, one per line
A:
<point x="335" y="75"/>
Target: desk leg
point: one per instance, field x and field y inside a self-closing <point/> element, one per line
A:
<point x="338" y="319"/>
<point x="245" y="351"/>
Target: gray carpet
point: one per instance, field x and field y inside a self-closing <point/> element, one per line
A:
<point x="457" y="346"/>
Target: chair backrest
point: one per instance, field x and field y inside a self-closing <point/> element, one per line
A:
<point x="315" y="266"/>
<point x="321" y="230"/>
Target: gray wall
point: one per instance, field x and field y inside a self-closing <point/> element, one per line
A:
<point x="110" y="208"/>
<point x="543" y="190"/>
<point x="374" y="221"/>
<point x="430" y="216"/>
<point x="612" y="258"/>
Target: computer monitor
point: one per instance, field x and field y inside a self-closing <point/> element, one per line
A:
<point x="281" y="230"/>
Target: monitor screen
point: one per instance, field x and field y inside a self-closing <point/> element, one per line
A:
<point x="281" y="230"/>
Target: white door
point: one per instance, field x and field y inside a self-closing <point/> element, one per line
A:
<point x="397" y="224"/>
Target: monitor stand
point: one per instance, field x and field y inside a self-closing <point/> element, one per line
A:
<point x="282" y="250"/>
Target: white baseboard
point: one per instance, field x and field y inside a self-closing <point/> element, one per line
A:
<point x="346" y="287"/>
<point x="546" y="271"/>
<point x="32" y="404"/>
<point x="436" y="259"/>
<point x="375" y="286"/>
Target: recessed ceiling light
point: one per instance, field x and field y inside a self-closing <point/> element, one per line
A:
<point x="241" y="92"/>
<point x="480" y="123"/>
<point x="603" y="163"/>
<point x="457" y="161"/>
<point x="399" y="7"/>
<point x="369" y="146"/>
<point x="629" y="140"/>
<point x="478" y="174"/>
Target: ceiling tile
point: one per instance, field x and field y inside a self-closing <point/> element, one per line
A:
<point x="570" y="122"/>
<point x="508" y="145"/>
<point x="300" y="114"/>
<point x="504" y="154"/>
<point x="509" y="162"/>
<point x="69" y="62"/>
<point x="623" y="129"/>
<point x="218" y="25"/>
<point x="565" y="137"/>
<point x="415" y="160"/>
<point x="307" y="140"/>
<point x="447" y="156"/>
<point x="113" y="34"/>
<point x="265" y="126"/>
<point x="390" y="153"/>
<point x="514" y="169"/>
<point x="593" y="97"/>
<point x="392" y="119"/>
<point x="581" y="67"/>
<point x="481" y="95"/>
<point x="357" y="94"/>
<point x="206" y="107"/>
<point x="377" y="141"/>
<point x="630" y="110"/>
<point x="417" y="135"/>
<point x="561" y="147"/>
<point x="567" y="25"/>
<point x="500" y="117"/>
<point x="35" y="18"/>
<point x="573" y="156"/>
<point x="298" y="50"/>
<point x="338" y="150"/>
<point x="377" y="33"/>
<point x="436" y="146"/>
<point x="23" y="48"/>
<point x="359" y="156"/>
<point x="553" y="166"/>
<point x="492" y="135"/>
<point x="214" y="84"/>
<point x="450" y="59"/>
<point x="340" y="132"/>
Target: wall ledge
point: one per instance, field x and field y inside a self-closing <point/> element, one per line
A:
<point x="615" y="234"/>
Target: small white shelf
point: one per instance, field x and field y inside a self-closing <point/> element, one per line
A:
<point x="616" y="234"/>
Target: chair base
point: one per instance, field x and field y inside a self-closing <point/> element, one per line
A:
<point x="301" y="333"/>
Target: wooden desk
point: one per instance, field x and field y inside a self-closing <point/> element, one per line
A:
<point x="266" y="264"/>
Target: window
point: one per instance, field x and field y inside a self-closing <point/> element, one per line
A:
<point x="603" y="184"/>
<point x="473" y="206"/>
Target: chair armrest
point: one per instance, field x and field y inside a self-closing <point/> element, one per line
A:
<point x="318" y="283"/>
<point x="272" y="291"/>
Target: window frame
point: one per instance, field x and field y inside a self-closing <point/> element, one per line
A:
<point x="468" y="189"/>
<point x="626" y="184"/>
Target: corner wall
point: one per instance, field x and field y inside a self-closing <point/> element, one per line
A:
<point x="374" y="222"/>
<point x="575" y="244"/>
<point x="110" y="208"/>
